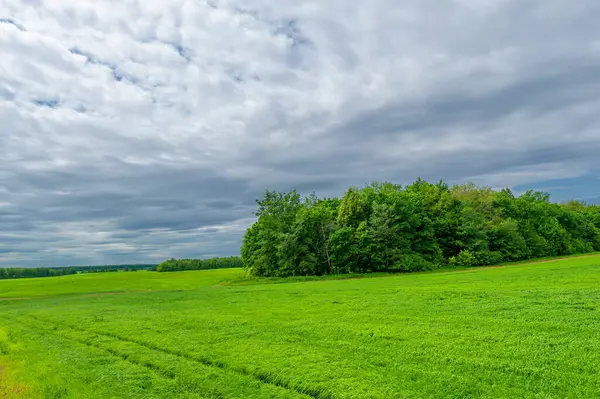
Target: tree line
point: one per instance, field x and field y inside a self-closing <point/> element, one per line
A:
<point x="30" y="272"/>
<point x="423" y="226"/>
<point x="173" y="265"/>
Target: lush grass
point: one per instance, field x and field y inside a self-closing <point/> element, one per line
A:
<point x="102" y="283"/>
<point x="529" y="330"/>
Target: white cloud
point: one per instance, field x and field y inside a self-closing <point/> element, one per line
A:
<point x="171" y="116"/>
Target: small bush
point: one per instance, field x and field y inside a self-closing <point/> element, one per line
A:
<point x="411" y="263"/>
<point x="464" y="258"/>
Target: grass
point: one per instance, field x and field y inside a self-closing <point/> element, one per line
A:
<point x="528" y="330"/>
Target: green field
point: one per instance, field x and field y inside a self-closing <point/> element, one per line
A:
<point x="530" y="330"/>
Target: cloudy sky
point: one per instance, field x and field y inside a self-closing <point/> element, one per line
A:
<point x="133" y="131"/>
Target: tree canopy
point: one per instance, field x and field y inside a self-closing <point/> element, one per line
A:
<point x="423" y="226"/>
<point x="30" y="272"/>
<point x="173" y="265"/>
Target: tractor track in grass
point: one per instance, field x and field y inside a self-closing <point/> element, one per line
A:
<point x="154" y="368"/>
<point x="261" y="377"/>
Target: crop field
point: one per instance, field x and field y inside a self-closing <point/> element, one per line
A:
<point x="529" y="330"/>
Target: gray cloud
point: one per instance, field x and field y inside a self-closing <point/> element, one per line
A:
<point x="134" y="142"/>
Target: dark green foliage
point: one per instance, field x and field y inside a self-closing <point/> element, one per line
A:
<point x="174" y="265"/>
<point x="29" y="272"/>
<point x="25" y="272"/>
<point x="386" y="227"/>
<point x="114" y="268"/>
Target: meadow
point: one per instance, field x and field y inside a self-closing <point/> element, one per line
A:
<point x="528" y="330"/>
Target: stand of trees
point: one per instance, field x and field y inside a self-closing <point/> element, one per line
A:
<point x="387" y="227"/>
<point x="25" y="272"/>
<point x="173" y="265"/>
<point x="114" y="268"/>
<point x="29" y="272"/>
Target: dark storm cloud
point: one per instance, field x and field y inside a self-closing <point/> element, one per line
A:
<point x="544" y="93"/>
<point x="550" y="94"/>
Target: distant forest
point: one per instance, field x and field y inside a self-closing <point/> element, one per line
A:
<point x="173" y="265"/>
<point x="170" y="265"/>
<point x="28" y="272"/>
<point x="423" y="226"/>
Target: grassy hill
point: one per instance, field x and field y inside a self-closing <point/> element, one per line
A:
<point x="529" y="330"/>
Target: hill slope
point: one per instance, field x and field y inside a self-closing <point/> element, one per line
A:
<point x="516" y="331"/>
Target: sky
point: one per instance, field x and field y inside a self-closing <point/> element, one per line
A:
<point x="136" y="131"/>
